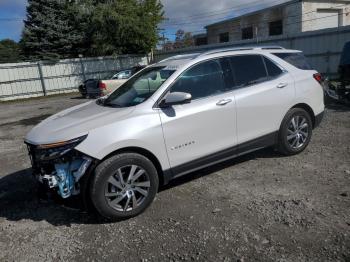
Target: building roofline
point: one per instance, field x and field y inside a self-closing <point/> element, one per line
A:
<point x="253" y="13"/>
<point x="199" y="35"/>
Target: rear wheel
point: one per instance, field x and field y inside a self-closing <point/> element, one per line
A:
<point x="124" y="186"/>
<point x="295" y="132"/>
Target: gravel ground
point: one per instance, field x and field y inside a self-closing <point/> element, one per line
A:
<point x="257" y="207"/>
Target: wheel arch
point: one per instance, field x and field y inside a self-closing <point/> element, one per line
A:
<point x="144" y="152"/>
<point x="308" y="109"/>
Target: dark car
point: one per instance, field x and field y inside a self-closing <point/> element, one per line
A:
<point x="90" y="88"/>
<point x="339" y="89"/>
<point x="344" y="65"/>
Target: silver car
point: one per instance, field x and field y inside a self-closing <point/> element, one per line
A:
<point x="179" y="115"/>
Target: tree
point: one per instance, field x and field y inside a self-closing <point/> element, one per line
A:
<point x="48" y="32"/>
<point x="125" y="27"/>
<point x="9" y="51"/>
<point x="65" y="28"/>
<point x="183" y="39"/>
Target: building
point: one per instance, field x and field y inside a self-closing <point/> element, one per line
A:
<point x="200" y="39"/>
<point x="281" y="20"/>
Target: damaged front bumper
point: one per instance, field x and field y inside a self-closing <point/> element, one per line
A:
<point x="60" y="167"/>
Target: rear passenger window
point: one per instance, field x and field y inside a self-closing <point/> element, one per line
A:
<point x="248" y="70"/>
<point x="272" y="69"/>
<point x="296" y="59"/>
<point x="202" y="80"/>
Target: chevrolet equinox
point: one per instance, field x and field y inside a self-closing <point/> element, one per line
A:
<point x="173" y="117"/>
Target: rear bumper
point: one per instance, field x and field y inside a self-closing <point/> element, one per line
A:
<point x="318" y="119"/>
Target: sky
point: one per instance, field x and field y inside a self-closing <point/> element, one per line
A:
<point x="189" y="15"/>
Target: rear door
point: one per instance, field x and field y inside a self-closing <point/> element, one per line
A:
<point x="264" y="93"/>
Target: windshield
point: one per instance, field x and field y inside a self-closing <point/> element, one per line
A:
<point x="139" y="88"/>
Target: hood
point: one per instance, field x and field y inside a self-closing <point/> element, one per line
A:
<point x="74" y="122"/>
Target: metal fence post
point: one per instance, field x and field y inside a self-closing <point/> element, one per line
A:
<point x="82" y="68"/>
<point x="42" y="78"/>
<point x="121" y="62"/>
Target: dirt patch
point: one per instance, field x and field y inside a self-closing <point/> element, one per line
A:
<point x="291" y="212"/>
<point x="27" y="121"/>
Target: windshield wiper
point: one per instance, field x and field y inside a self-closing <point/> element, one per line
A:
<point x="104" y="102"/>
<point x="109" y="104"/>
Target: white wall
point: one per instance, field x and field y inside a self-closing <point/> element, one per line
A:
<point x="20" y="80"/>
<point x="318" y="14"/>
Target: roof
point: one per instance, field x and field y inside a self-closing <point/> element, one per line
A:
<point x="200" y="35"/>
<point x="174" y="62"/>
<point x="254" y="12"/>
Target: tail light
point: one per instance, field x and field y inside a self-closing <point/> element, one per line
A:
<point x="318" y="77"/>
<point x="102" y="85"/>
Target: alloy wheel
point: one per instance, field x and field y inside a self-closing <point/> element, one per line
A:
<point x="297" y="132"/>
<point x="128" y="188"/>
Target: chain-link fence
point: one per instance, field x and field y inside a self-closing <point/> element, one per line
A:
<point x="30" y="79"/>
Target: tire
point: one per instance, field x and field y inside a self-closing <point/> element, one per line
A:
<point x="111" y="194"/>
<point x="293" y="140"/>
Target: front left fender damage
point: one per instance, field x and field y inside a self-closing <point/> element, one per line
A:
<point x="61" y="174"/>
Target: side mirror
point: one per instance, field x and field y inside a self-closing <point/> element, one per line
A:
<point x="176" y="98"/>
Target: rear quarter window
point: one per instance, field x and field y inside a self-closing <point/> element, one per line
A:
<point x="296" y="59"/>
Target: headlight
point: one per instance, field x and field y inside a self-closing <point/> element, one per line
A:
<point x="47" y="152"/>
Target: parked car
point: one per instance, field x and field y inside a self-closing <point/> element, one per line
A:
<point x="90" y="88"/>
<point x="179" y="115"/>
<point x="110" y="85"/>
<point x="95" y="87"/>
<point x="339" y="89"/>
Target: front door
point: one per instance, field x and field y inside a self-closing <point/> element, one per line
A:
<point x="198" y="132"/>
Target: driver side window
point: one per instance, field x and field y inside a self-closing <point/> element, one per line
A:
<point x="202" y="80"/>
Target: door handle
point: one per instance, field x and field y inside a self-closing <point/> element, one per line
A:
<point x="223" y="102"/>
<point x="281" y="85"/>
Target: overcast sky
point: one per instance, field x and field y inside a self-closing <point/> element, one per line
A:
<point x="189" y="15"/>
<point x="193" y="15"/>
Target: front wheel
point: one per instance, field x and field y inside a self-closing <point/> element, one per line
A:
<point x="295" y="132"/>
<point x="124" y="186"/>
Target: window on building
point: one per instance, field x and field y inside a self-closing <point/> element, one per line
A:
<point x="327" y="18"/>
<point x="202" y="80"/>
<point x="276" y="27"/>
<point x="224" y="37"/>
<point x="247" y="33"/>
<point x="201" y="41"/>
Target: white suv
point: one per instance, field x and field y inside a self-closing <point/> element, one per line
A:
<point x="179" y="115"/>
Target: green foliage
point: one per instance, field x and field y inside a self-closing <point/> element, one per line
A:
<point x="125" y="27"/>
<point x="57" y="29"/>
<point x="48" y="32"/>
<point x="9" y="51"/>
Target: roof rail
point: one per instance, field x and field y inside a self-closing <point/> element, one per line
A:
<point x="241" y="48"/>
<point x="179" y="57"/>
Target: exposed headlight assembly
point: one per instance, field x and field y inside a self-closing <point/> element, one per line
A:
<point x="46" y="152"/>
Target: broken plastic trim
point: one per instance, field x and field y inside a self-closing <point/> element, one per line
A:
<point x="68" y="175"/>
<point x="48" y="152"/>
